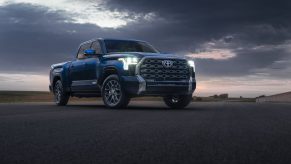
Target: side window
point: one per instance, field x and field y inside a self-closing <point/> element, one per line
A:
<point x="82" y="49"/>
<point x="96" y="46"/>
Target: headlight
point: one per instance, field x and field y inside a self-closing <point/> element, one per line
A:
<point x="191" y="64"/>
<point x="128" y="61"/>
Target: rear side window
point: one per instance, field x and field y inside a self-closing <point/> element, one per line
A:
<point x="82" y="49"/>
<point x="96" y="46"/>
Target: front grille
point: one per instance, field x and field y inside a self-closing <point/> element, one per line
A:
<point x="152" y="69"/>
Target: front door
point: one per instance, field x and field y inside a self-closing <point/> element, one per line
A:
<point x="84" y="72"/>
<point x="89" y="75"/>
<point x="91" y="69"/>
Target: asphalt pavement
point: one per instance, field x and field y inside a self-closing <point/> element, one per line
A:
<point x="147" y="132"/>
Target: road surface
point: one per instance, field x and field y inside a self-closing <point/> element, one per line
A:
<point x="147" y="132"/>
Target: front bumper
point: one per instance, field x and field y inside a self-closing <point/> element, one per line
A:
<point x="136" y="85"/>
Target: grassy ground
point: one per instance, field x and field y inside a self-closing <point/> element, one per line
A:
<point x="212" y="99"/>
<point x="24" y="96"/>
<point x="35" y="96"/>
<point x="31" y="96"/>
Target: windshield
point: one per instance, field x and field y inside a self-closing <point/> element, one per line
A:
<point x="128" y="46"/>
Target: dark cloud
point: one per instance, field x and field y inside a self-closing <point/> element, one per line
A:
<point x="244" y="63"/>
<point x="33" y="37"/>
<point x="211" y="11"/>
<point x="242" y="25"/>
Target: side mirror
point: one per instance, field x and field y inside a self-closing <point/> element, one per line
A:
<point x="89" y="52"/>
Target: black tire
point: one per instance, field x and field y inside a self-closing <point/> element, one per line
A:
<point x="177" y="101"/>
<point x="113" y="93"/>
<point x="61" y="97"/>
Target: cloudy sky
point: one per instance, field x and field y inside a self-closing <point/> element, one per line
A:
<point x="240" y="47"/>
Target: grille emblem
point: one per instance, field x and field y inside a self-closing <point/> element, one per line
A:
<point x="167" y="63"/>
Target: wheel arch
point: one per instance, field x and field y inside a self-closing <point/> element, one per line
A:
<point x="107" y="71"/>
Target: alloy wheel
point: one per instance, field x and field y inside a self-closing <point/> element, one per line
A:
<point x="58" y="93"/>
<point x="112" y="92"/>
<point x="175" y="99"/>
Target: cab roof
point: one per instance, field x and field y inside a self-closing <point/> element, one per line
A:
<point x="102" y="39"/>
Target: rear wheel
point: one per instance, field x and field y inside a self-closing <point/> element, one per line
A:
<point x="60" y="96"/>
<point x="177" y="101"/>
<point x="113" y="94"/>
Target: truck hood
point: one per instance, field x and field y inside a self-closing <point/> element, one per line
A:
<point x="141" y="55"/>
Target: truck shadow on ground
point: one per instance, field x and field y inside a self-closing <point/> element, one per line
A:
<point x="130" y="107"/>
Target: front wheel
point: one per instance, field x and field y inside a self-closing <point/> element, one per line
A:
<point x="113" y="94"/>
<point x="179" y="101"/>
<point x="61" y="97"/>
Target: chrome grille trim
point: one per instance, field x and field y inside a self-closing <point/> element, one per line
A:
<point x="142" y="84"/>
<point x="151" y="68"/>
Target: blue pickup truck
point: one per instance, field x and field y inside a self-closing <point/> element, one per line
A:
<point x="118" y="70"/>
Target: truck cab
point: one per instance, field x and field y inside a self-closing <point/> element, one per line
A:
<point x="118" y="70"/>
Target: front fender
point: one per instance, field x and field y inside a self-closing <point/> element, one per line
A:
<point x="60" y="72"/>
<point x="110" y="67"/>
